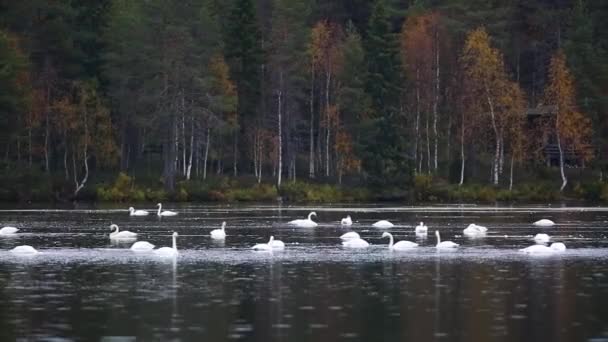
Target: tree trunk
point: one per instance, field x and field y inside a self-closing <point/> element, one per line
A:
<point x="235" y="152"/>
<point x="29" y="140"/>
<point x="511" y="173"/>
<point x="417" y="120"/>
<point x="428" y="145"/>
<point x="184" y="165"/>
<point x="65" y="162"/>
<point x="328" y="123"/>
<point x="311" y="157"/>
<point x="206" y="153"/>
<point x="189" y="168"/>
<point x="462" y="152"/>
<point x="561" y="163"/>
<point x="496" y="136"/>
<point x="280" y="127"/>
<point x="83" y="182"/>
<point x="436" y="100"/>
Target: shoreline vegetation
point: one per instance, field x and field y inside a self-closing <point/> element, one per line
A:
<point x="30" y="188"/>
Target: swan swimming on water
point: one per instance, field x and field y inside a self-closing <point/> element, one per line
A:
<point x="544" y="223"/>
<point x="118" y="235"/>
<point x="264" y="246"/>
<point x="399" y="246"/>
<point x="219" y="234"/>
<point x="142" y="246"/>
<point x="541" y="238"/>
<point x="168" y="251"/>
<point x="25" y="249"/>
<point x="164" y="213"/>
<point x="133" y="212"/>
<point x="383" y="224"/>
<point x="542" y="249"/>
<point x="421" y="229"/>
<point x="444" y="244"/>
<point x="350" y="235"/>
<point x="474" y="230"/>
<point x="355" y="243"/>
<point x="277" y="244"/>
<point x="347" y="221"/>
<point x="8" y="230"/>
<point x="308" y="223"/>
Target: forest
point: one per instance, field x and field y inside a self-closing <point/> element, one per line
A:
<point x="304" y="100"/>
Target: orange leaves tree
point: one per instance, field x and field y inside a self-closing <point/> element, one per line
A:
<point x="571" y="128"/>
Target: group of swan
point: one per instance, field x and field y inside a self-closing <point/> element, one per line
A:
<point x="347" y="221"/>
<point x="353" y="240"/>
<point x="160" y="212"/>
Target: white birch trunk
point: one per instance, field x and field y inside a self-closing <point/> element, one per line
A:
<point x="497" y="138"/>
<point x="206" y="153"/>
<point x="279" y="117"/>
<point x="311" y="157"/>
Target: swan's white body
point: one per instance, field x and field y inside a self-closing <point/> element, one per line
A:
<point x="166" y="212"/>
<point x="544" y="223"/>
<point x="350" y="235"/>
<point x="542" y="249"/>
<point x="474" y="230"/>
<point x="308" y="223"/>
<point x="264" y="246"/>
<point x="142" y="246"/>
<point x="347" y="221"/>
<point x="277" y="244"/>
<point x="399" y="246"/>
<point x="219" y="234"/>
<point x="444" y="244"/>
<point x="421" y="229"/>
<point x="383" y="224"/>
<point x="168" y="251"/>
<point x="25" y="249"/>
<point x="133" y="212"/>
<point x="541" y="238"/>
<point x="355" y="243"/>
<point x="8" y="230"/>
<point x="118" y="235"/>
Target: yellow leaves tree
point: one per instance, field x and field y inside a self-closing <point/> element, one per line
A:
<point x="84" y="122"/>
<point x="571" y="128"/>
<point x="494" y="99"/>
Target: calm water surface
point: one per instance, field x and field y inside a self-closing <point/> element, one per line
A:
<point x="82" y="286"/>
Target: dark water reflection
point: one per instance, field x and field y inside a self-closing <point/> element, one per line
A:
<point x="83" y="287"/>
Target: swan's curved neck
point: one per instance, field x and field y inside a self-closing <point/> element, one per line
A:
<point x="309" y="217"/>
<point x="438" y="238"/>
<point x="174" y="242"/>
<point x="160" y="206"/>
<point x="114" y="230"/>
<point x="223" y="227"/>
<point x="271" y="239"/>
<point x="390" y="241"/>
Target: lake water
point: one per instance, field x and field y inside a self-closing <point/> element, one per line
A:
<point x="82" y="286"/>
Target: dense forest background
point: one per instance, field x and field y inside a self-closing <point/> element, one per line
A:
<point x="193" y="99"/>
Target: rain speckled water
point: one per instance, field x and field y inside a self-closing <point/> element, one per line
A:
<point x="83" y="286"/>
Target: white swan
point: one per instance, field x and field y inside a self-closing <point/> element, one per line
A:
<point x="25" y="249"/>
<point x="264" y="246"/>
<point x="421" y="229"/>
<point x="277" y="244"/>
<point x="544" y="223"/>
<point x="541" y="238"/>
<point x="118" y="235"/>
<point x="168" y="251"/>
<point x="8" y="230"/>
<point x="474" y="230"/>
<point x="350" y="235"/>
<point x="355" y="243"/>
<point x="219" y="234"/>
<point x="383" y="224"/>
<point x="347" y="221"/>
<point x="142" y="246"/>
<point x="444" y="244"/>
<point x="164" y="213"/>
<point x="542" y="249"/>
<point x="308" y="223"/>
<point x="133" y="212"/>
<point x="399" y="246"/>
